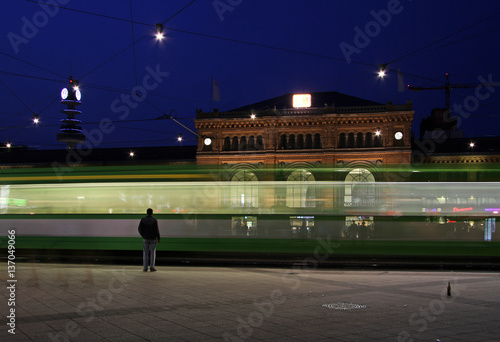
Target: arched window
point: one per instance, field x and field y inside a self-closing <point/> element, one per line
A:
<point x="350" y="140"/>
<point x="282" y="145"/>
<point x="317" y="140"/>
<point x="378" y="140"/>
<point x="227" y="144"/>
<point x="291" y="142"/>
<point x="251" y="143"/>
<point x="260" y="143"/>
<point x="243" y="144"/>
<point x="234" y="144"/>
<point x="359" y="140"/>
<point x="300" y="141"/>
<point x="359" y="188"/>
<point x="309" y="141"/>
<point x="244" y="193"/>
<point x="342" y="142"/>
<point x="300" y="192"/>
<point x="369" y="140"/>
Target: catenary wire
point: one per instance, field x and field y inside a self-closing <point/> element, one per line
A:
<point x="441" y="39"/>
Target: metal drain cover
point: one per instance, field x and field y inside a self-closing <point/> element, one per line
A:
<point x="344" y="306"/>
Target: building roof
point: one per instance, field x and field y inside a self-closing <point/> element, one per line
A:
<point x="318" y="99"/>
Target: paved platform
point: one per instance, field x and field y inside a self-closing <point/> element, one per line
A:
<point x="67" y="302"/>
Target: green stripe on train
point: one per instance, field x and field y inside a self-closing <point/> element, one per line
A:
<point x="318" y="248"/>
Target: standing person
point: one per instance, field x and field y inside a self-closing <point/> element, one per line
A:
<point x="148" y="228"/>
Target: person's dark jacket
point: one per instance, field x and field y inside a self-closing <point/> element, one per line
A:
<point x="148" y="228"/>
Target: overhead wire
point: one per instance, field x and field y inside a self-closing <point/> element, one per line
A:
<point x="133" y="42"/>
<point x="168" y="116"/>
<point x="443" y="38"/>
<point x="414" y="52"/>
<point x="17" y="97"/>
<point x="102" y="87"/>
<point x="203" y="35"/>
<point x="136" y="41"/>
<point x="31" y="64"/>
<point x="227" y="39"/>
<point x="269" y="46"/>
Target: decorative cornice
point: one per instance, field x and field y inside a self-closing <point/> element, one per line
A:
<point x="310" y="121"/>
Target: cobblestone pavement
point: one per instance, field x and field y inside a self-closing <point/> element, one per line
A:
<point x="66" y="302"/>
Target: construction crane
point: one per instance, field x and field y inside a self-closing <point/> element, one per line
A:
<point x="447" y="88"/>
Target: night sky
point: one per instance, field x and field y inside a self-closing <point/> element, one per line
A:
<point x="254" y="49"/>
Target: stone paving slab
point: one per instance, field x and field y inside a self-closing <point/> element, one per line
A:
<point x="67" y="302"/>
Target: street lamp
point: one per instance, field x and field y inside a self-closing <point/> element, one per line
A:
<point x="381" y="72"/>
<point x="159" y="31"/>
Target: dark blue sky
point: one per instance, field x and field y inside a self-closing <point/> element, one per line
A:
<point x="40" y="50"/>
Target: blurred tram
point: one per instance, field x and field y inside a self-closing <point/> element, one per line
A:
<point x="435" y="213"/>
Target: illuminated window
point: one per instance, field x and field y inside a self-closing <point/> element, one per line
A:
<point x="243" y="193"/>
<point x="300" y="192"/>
<point x="359" y="188"/>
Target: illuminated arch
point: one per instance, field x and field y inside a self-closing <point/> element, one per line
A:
<point x="243" y="193"/>
<point x="359" y="188"/>
<point x="299" y="193"/>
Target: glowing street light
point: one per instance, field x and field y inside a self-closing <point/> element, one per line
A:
<point x="472" y="144"/>
<point x="377" y="133"/>
<point x="381" y="72"/>
<point x="252" y="116"/>
<point x="179" y="137"/>
<point x="36" y="120"/>
<point x="159" y="31"/>
<point x="131" y="154"/>
<point x="8" y="145"/>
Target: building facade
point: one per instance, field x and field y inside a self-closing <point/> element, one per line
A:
<point x="335" y="137"/>
<point x="359" y="134"/>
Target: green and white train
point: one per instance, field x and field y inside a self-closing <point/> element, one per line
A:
<point x="92" y="209"/>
